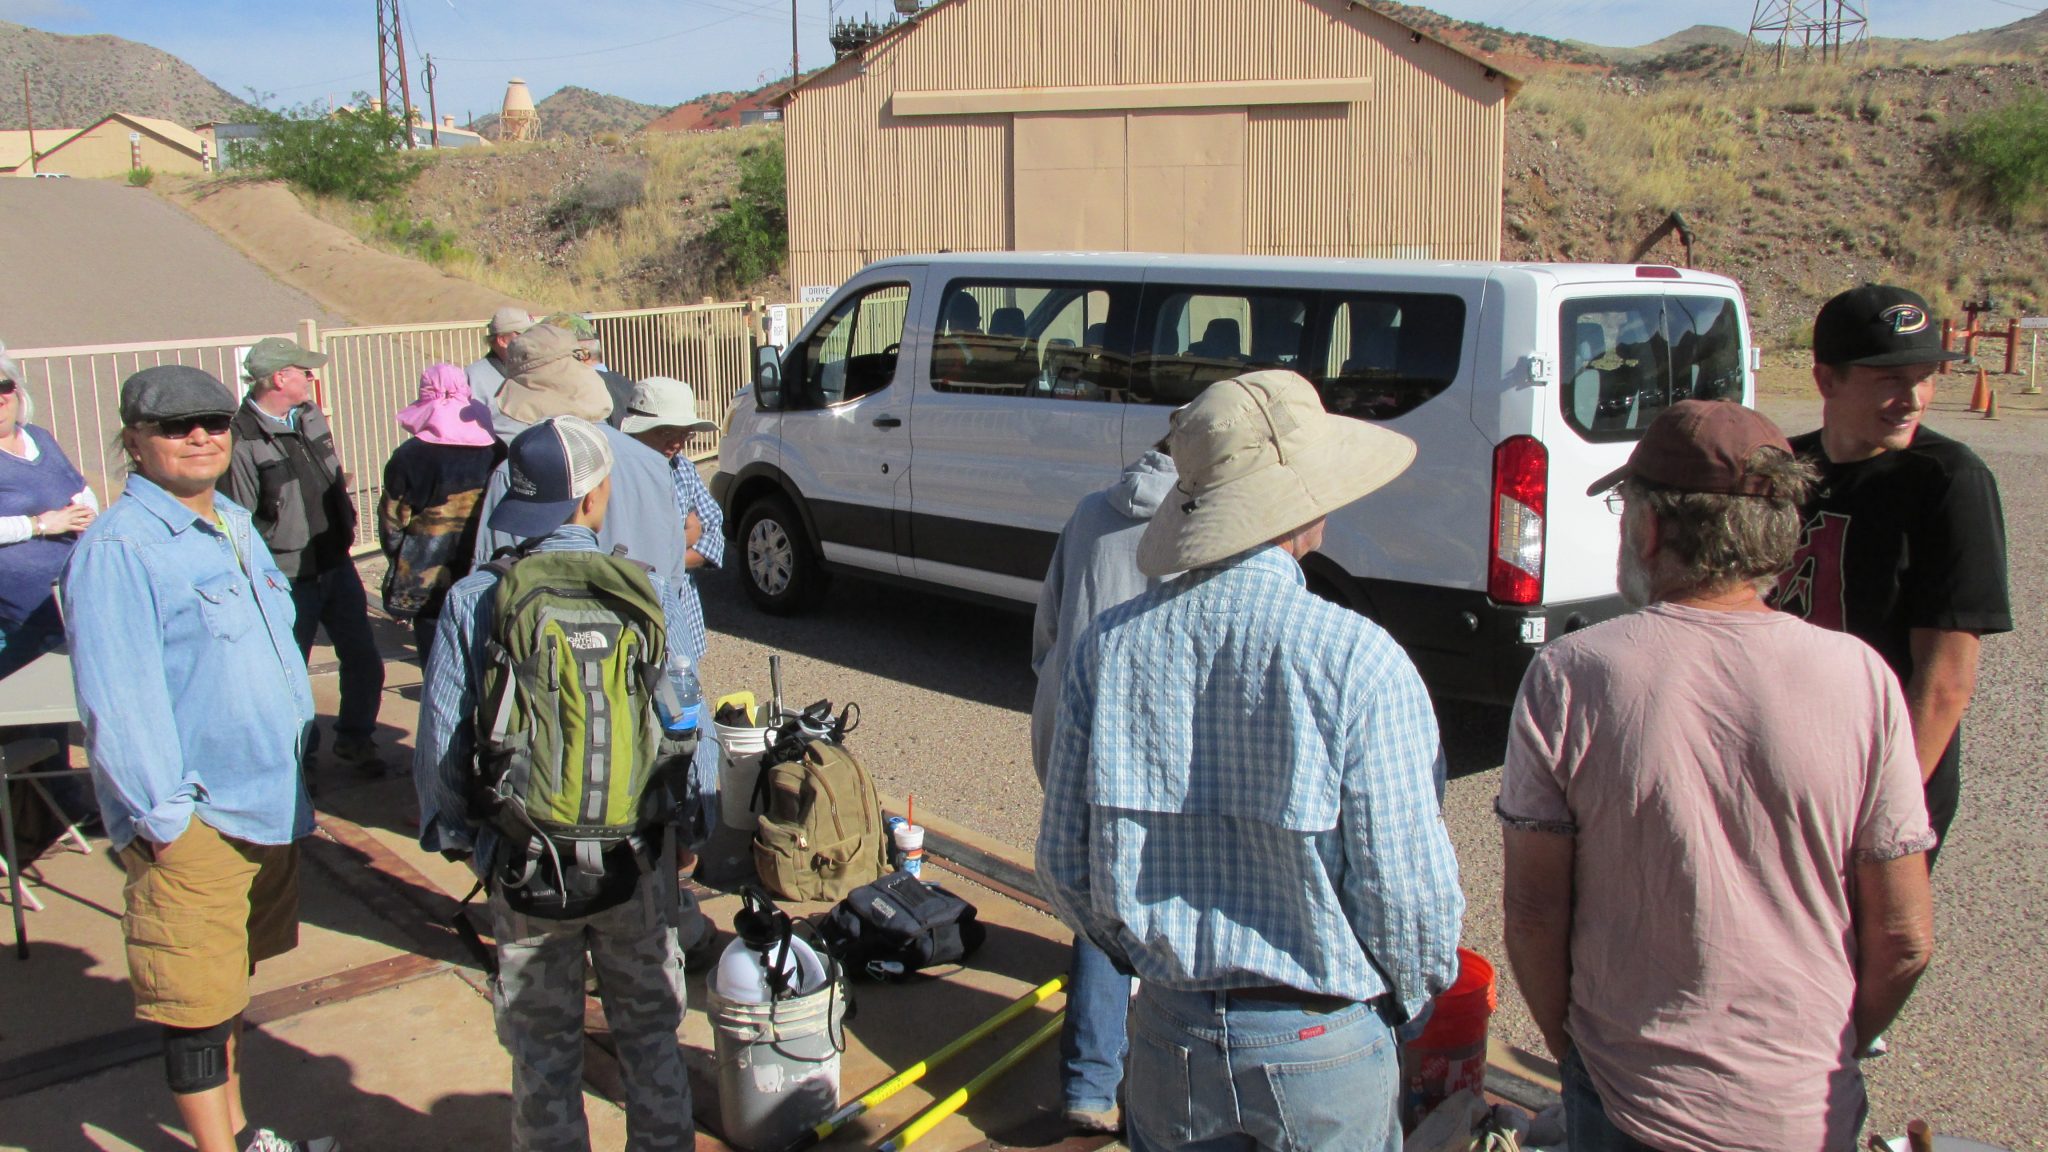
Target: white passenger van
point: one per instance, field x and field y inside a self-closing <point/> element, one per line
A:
<point x="939" y="417"/>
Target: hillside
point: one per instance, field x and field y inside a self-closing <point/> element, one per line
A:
<point x="76" y="80"/>
<point x="717" y="109"/>
<point x="1487" y="40"/>
<point x="1796" y="185"/>
<point x="574" y="113"/>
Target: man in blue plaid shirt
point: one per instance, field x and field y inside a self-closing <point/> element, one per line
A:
<point x="1242" y="801"/>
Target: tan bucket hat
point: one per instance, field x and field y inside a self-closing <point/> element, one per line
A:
<point x="547" y="380"/>
<point x="1258" y="458"/>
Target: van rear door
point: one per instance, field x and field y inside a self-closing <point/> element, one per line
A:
<point x="1625" y="352"/>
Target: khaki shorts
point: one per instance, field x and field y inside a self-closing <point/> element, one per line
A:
<point x="202" y="911"/>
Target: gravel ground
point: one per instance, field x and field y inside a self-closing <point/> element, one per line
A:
<point x="946" y="689"/>
<point x="93" y="261"/>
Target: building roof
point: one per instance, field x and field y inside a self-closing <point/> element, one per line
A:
<point x="858" y="57"/>
<point x="14" y="144"/>
<point x="176" y="135"/>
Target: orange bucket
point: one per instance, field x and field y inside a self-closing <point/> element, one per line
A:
<point x="1450" y="1055"/>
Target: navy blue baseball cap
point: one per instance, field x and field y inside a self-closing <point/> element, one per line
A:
<point x="553" y="465"/>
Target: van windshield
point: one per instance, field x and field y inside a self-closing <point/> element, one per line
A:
<point x="1627" y="358"/>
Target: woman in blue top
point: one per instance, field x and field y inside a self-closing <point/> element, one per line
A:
<point x="44" y="505"/>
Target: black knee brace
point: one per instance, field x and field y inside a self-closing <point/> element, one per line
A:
<point x="196" y="1059"/>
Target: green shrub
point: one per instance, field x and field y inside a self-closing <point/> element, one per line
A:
<point x="423" y="238"/>
<point x="141" y="177"/>
<point x="597" y="200"/>
<point x="2001" y="157"/>
<point x="751" y="239"/>
<point x="358" y="153"/>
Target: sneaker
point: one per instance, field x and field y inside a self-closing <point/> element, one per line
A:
<point x="361" y="752"/>
<point x="1109" y="1123"/>
<point x="267" y="1141"/>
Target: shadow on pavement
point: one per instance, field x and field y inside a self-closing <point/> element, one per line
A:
<point x="920" y="638"/>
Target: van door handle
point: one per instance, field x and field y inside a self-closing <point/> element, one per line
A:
<point x="888" y="422"/>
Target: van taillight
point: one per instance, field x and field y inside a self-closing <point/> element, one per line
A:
<point x="1521" y="479"/>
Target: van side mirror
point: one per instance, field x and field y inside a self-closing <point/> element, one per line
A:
<point x="768" y="378"/>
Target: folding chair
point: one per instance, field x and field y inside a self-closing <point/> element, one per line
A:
<point x="15" y="761"/>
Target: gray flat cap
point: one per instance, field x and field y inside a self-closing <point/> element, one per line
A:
<point x="171" y="391"/>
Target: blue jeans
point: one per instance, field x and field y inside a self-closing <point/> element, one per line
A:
<point x="1586" y="1126"/>
<point x="334" y="599"/>
<point x="1094" y="1041"/>
<point x="1213" y="1072"/>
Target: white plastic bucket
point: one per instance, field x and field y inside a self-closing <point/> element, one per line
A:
<point x="778" y="1065"/>
<point x="741" y="749"/>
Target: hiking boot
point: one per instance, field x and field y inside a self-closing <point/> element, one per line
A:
<point x="1109" y="1123"/>
<point x="267" y="1141"/>
<point x="360" y="751"/>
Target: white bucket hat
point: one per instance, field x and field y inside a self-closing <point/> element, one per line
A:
<point x="663" y="402"/>
<point x="1258" y="458"/>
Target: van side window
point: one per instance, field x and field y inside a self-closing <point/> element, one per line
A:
<point x="1627" y="358"/>
<point x="853" y="352"/>
<point x="1387" y="353"/>
<point x="1199" y="336"/>
<point x="1019" y="338"/>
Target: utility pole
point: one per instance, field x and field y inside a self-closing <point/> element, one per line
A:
<point x="795" y="69"/>
<point x="433" y="110"/>
<point x="393" y="81"/>
<point x="29" y="106"/>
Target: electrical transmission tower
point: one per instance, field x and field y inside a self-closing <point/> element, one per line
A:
<point x="394" y="84"/>
<point x="1829" y="27"/>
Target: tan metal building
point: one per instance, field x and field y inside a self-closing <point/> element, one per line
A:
<point x="1296" y="127"/>
<point x="110" y="148"/>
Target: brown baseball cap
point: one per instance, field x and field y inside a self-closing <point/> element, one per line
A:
<point x="1701" y="446"/>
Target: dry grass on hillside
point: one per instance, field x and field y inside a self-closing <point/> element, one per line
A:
<point x="505" y="213"/>
<point x="1798" y="184"/>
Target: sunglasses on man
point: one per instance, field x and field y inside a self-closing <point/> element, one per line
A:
<point x="180" y="428"/>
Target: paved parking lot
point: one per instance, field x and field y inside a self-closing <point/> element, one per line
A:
<point x="945" y="691"/>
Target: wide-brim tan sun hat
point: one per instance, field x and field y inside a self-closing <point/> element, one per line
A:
<point x="546" y="379"/>
<point x="1260" y="457"/>
<point x="663" y="402"/>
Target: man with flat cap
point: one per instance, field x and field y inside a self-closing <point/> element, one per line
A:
<point x="286" y="473"/>
<point x="1242" y="798"/>
<point x="1904" y="539"/>
<point x="1715" y="874"/>
<point x="196" y="710"/>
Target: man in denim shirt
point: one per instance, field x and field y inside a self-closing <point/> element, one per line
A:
<point x="196" y="708"/>
<point x="1241" y="801"/>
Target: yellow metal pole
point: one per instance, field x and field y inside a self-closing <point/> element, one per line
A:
<point x="917" y="1071"/>
<point x="930" y="1117"/>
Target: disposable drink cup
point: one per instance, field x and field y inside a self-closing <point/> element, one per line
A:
<point x="910" y="847"/>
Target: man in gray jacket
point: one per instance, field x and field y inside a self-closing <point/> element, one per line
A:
<point x="1094" y="567"/>
<point x="285" y="472"/>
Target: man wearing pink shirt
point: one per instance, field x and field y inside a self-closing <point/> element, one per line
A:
<point x="1716" y="874"/>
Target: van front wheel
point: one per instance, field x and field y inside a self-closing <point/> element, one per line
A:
<point x="781" y="570"/>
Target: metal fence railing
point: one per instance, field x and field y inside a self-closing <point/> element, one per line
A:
<point x="374" y="371"/>
<point x="76" y="393"/>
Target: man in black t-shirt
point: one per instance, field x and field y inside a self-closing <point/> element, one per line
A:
<point x="1904" y="540"/>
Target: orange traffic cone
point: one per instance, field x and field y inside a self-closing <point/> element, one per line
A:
<point x="1991" y="405"/>
<point x="1981" y="397"/>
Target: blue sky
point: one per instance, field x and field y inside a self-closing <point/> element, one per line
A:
<point x="667" y="51"/>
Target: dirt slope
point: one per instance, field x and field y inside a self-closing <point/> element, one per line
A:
<point x="268" y="224"/>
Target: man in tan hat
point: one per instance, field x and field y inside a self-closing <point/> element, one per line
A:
<point x="486" y="375"/>
<point x="548" y="379"/>
<point x="1242" y="800"/>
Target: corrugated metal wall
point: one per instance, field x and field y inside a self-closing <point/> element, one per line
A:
<point x="1414" y="168"/>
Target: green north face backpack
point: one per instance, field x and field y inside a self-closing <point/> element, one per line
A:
<point x="568" y="740"/>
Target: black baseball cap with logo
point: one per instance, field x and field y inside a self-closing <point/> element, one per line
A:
<point x="1879" y="325"/>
